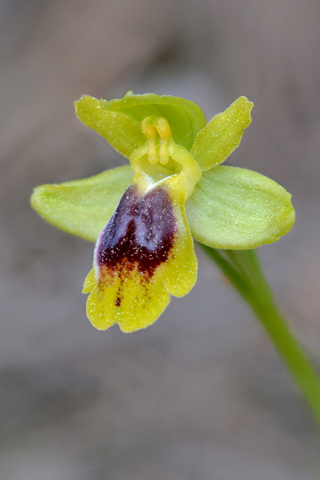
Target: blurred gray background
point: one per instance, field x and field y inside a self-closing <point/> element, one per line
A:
<point x="201" y="394"/>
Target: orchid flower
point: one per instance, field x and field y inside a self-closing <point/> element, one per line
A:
<point x="142" y="216"/>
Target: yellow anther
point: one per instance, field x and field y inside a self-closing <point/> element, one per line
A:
<point x="158" y="132"/>
<point x="163" y="129"/>
<point x="148" y="128"/>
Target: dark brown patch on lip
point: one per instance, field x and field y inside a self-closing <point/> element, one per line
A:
<point x="118" y="302"/>
<point x="140" y="234"/>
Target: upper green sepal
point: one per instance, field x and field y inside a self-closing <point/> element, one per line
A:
<point x="217" y="140"/>
<point x="82" y="207"/>
<point x="119" y="120"/>
<point x="236" y="209"/>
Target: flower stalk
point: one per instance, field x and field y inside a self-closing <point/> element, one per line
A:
<point x="243" y="271"/>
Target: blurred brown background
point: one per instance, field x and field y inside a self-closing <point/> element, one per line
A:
<point x="202" y="393"/>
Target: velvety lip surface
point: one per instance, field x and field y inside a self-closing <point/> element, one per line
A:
<point x="140" y="234"/>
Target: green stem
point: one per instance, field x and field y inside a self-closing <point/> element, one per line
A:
<point x="243" y="270"/>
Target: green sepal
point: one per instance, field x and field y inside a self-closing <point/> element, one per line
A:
<point x="217" y="140"/>
<point x="237" y="209"/>
<point x="82" y="207"/>
<point x="185" y="118"/>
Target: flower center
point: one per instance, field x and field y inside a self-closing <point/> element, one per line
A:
<point x="158" y="133"/>
<point x="160" y="157"/>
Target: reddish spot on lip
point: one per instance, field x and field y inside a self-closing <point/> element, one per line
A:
<point x="140" y="234"/>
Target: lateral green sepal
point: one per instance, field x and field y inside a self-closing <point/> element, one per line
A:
<point x="82" y="207"/>
<point x="237" y="209"/>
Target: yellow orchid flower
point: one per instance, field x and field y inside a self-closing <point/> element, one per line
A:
<point x="142" y="216"/>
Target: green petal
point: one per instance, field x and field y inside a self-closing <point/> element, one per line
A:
<point x="82" y="207"/>
<point x="233" y="208"/>
<point x="185" y="118"/>
<point x="217" y="140"/>
<point x="121" y="131"/>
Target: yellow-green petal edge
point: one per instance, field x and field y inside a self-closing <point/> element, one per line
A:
<point x="121" y="131"/>
<point x="217" y="140"/>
